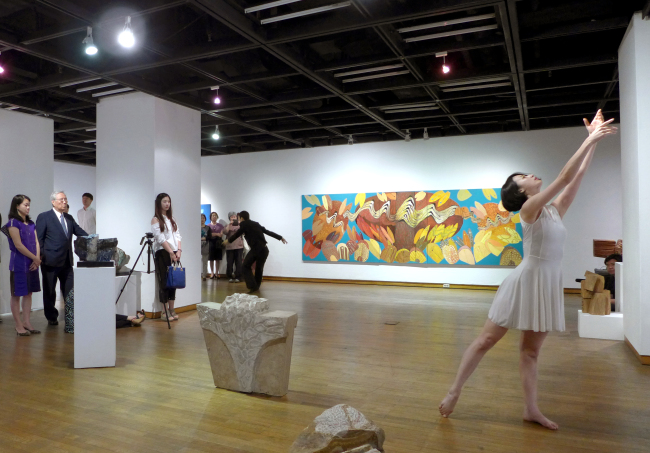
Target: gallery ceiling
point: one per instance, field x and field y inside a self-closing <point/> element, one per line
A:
<point x="305" y="73"/>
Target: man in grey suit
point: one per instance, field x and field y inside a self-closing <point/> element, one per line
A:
<point x="54" y="229"/>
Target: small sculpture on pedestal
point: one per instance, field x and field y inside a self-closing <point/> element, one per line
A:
<point x="91" y="248"/>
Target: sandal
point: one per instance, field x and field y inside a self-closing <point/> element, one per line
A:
<point x="23" y="334"/>
<point x="32" y="331"/>
<point x="139" y="318"/>
<point x="174" y="315"/>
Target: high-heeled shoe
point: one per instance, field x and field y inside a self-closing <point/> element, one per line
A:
<point x="32" y="331"/>
<point x="23" y="334"/>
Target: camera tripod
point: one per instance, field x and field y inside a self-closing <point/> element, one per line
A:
<point x="145" y="242"/>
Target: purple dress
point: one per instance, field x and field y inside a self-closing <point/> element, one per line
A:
<point x="23" y="281"/>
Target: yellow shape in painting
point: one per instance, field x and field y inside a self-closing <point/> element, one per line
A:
<point x="489" y="193"/>
<point x="420" y="196"/>
<point x="344" y="203"/>
<point x="374" y="248"/>
<point x="382" y="196"/>
<point x="482" y="236"/>
<point x="500" y="206"/>
<point x="443" y="199"/>
<point x="418" y="257"/>
<point x="436" y="196"/>
<point x="435" y="252"/>
<point x="480" y="251"/>
<point x="325" y="203"/>
<point x="360" y="199"/>
<point x="465" y="255"/>
<point x="463" y="194"/>
<point x="333" y="258"/>
<point x="312" y="199"/>
<point x="306" y="213"/>
<point x="516" y="218"/>
<point x="495" y="247"/>
<point x="511" y="238"/>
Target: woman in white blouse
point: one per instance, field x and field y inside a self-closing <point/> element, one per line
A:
<point x="167" y="249"/>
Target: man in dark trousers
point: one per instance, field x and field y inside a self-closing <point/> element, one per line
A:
<point x="259" y="252"/>
<point x="54" y="229"/>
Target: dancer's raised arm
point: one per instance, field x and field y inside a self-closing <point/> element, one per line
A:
<point x="531" y="208"/>
<point x="564" y="200"/>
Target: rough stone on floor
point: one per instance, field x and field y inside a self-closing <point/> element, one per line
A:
<point x="249" y="346"/>
<point x="340" y="429"/>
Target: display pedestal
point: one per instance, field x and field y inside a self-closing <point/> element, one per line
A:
<point x="608" y="327"/>
<point x="94" y="317"/>
<point x="149" y="293"/>
<point x="130" y="301"/>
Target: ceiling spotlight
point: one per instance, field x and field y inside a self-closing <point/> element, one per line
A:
<point x="408" y="136"/>
<point x="126" y="38"/>
<point x="91" y="49"/>
<point x="445" y="68"/>
<point x="1" y="68"/>
<point x="426" y="134"/>
<point x="216" y="133"/>
<point x="350" y="140"/>
<point x="217" y="100"/>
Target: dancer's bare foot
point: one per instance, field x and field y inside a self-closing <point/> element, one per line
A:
<point x="538" y="417"/>
<point x="447" y="405"/>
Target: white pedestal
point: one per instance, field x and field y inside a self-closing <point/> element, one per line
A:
<point x="149" y="293"/>
<point x="94" y="317"/>
<point x="130" y="301"/>
<point x="609" y="327"/>
<point x="619" y="287"/>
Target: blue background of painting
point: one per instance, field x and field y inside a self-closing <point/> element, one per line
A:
<point x="468" y="225"/>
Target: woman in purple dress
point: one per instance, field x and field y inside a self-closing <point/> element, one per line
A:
<point x="23" y="264"/>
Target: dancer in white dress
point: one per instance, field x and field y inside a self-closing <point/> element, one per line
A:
<point x="531" y="298"/>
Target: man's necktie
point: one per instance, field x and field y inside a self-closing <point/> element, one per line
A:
<point x="65" y="229"/>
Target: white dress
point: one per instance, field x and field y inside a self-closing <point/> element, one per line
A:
<point x="532" y="296"/>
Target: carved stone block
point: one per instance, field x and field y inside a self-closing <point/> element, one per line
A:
<point x="249" y="346"/>
<point x="340" y="429"/>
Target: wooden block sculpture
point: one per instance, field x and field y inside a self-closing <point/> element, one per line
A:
<point x="340" y="429"/>
<point x="595" y="299"/>
<point x="249" y="346"/>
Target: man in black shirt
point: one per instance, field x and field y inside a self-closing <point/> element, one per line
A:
<point x="254" y="234"/>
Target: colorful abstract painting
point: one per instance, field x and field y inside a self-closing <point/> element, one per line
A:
<point x="462" y="227"/>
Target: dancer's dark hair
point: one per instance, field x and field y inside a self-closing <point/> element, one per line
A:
<point x="511" y="196"/>
<point x="244" y="215"/>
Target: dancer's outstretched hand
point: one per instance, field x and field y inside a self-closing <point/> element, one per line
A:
<point x="602" y="130"/>
<point x="597" y="121"/>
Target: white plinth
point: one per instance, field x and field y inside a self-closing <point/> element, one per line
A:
<point x="608" y="327"/>
<point x="94" y="317"/>
<point x="149" y="293"/>
<point x="130" y="300"/>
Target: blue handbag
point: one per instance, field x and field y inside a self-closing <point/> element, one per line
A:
<point x="175" y="276"/>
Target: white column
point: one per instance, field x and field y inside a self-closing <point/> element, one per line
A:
<point x="634" y="70"/>
<point x="146" y="146"/>
<point x="26" y="163"/>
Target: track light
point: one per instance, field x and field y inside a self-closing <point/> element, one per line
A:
<point x="1" y="68"/>
<point x="126" y="38"/>
<point x="445" y="68"/>
<point x="425" y="136"/>
<point x="217" y="100"/>
<point x="216" y="133"/>
<point x="306" y="12"/>
<point x="350" y="140"/>
<point x="408" y="136"/>
<point x="91" y="49"/>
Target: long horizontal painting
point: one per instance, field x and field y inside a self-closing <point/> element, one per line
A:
<point x="461" y="227"/>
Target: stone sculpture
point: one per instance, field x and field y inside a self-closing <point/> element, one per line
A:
<point x="91" y="248"/>
<point x="249" y="346"/>
<point x="340" y="429"/>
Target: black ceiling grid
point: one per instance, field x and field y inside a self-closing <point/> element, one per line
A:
<point x="316" y="72"/>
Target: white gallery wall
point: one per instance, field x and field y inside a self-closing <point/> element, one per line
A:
<point x="75" y="180"/>
<point x="146" y="146"/>
<point x="26" y="167"/>
<point x="270" y="184"/>
<point x="634" y="66"/>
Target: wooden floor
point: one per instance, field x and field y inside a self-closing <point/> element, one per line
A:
<point x="160" y="397"/>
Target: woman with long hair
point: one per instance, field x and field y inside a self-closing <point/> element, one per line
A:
<point x="23" y="264"/>
<point x="216" y="242"/>
<point x="167" y="250"/>
<point x="531" y="298"/>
